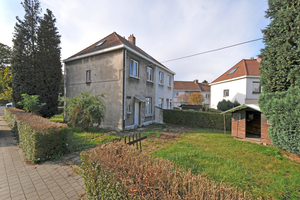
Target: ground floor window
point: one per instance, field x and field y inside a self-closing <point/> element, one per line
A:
<point x="148" y="104"/>
<point x="160" y="102"/>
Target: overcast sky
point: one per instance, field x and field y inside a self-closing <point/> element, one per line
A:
<point x="165" y="29"/>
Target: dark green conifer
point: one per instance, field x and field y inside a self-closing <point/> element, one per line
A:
<point x="24" y="63"/>
<point x="280" y="74"/>
<point x="49" y="70"/>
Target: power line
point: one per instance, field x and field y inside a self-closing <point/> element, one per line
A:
<point x="212" y="50"/>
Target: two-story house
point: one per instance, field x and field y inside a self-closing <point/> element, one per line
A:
<point x="240" y="83"/>
<point x="189" y="87"/>
<point x="128" y="76"/>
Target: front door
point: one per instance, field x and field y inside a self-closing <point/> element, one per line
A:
<point x="136" y="113"/>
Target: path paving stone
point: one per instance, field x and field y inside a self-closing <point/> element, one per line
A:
<point x="19" y="180"/>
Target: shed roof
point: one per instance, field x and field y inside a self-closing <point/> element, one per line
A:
<point x="241" y="107"/>
<point x="191" y="86"/>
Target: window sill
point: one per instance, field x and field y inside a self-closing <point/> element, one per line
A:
<point x="150" y="81"/>
<point x="134" y="77"/>
<point x="169" y="87"/>
<point x="160" y="84"/>
<point x="256" y="92"/>
<point x="150" y="115"/>
<point x="128" y="113"/>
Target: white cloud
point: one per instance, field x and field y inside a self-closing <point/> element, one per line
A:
<point x="164" y="29"/>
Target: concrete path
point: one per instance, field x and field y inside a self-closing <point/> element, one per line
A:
<point x="19" y="180"/>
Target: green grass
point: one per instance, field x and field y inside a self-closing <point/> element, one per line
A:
<point x="87" y="139"/>
<point x="258" y="169"/>
<point x="57" y="118"/>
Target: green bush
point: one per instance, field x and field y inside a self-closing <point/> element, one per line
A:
<point x="198" y="119"/>
<point x="226" y="105"/>
<point x="39" y="138"/>
<point x="85" y="110"/>
<point x="282" y="109"/>
<point x="31" y="103"/>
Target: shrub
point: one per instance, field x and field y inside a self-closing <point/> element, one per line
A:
<point x="121" y="170"/>
<point x="282" y="110"/>
<point x="226" y="105"/>
<point x="31" y="103"/>
<point x="86" y="110"/>
<point x="39" y="138"/>
<point x="197" y="119"/>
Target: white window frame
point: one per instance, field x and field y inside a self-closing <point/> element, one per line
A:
<point x="170" y="80"/>
<point x="160" y="102"/>
<point x="148" y="106"/>
<point x="259" y="87"/>
<point x="88" y="77"/>
<point x="149" y="74"/>
<point x="161" y="78"/>
<point x="226" y="93"/>
<point x="207" y="96"/>
<point x="176" y="94"/>
<point x="134" y="68"/>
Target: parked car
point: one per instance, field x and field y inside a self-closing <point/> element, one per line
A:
<point x="9" y="104"/>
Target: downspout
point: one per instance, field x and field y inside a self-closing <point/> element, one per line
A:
<point x="65" y="91"/>
<point x="124" y="88"/>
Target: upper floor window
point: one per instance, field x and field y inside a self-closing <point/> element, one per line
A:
<point x="148" y="106"/>
<point x="134" y="68"/>
<point x="232" y="71"/>
<point x="175" y="94"/>
<point x="88" y="76"/>
<point x="170" y="81"/>
<point x="161" y="78"/>
<point x="256" y="87"/>
<point x="225" y="93"/>
<point x="207" y="96"/>
<point x="160" y="102"/>
<point x="149" y="74"/>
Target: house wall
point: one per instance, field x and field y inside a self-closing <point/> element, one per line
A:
<point x="106" y="78"/>
<point x="163" y="91"/>
<point x="264" y="130"/>
<point x="251" y="98"/>
<point x="238" y="124"/>
<point x="139" y="87"/>
<point x="237" y="91"/>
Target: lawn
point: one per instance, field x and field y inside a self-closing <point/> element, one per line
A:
<point x="260" y="170"/>
<point x="57" y="118"/>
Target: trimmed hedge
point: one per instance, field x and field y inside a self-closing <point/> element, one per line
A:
<point x="39" y="138"/>
<point x="197" y="119"/>
<point x="120" y="171"/>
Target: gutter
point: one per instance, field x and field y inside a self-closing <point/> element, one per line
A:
<point x="234" y="79"/>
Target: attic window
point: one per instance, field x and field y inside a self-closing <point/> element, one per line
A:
<point x="100" y="43"/>
<point x="232" y="71"/>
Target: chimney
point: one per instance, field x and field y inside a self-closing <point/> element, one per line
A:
<point x="258" y="59"/>
<point x="252" y="58"/>
<point x="196" y="81"/>
<point x="131" y="39"/>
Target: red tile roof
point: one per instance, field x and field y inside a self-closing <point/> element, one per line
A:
<point x="191" y="85"/>
<point x="244" y="67"/>
<point x="112" y="40"/>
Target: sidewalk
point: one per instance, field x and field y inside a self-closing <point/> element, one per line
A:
<point x="19" y="180"/>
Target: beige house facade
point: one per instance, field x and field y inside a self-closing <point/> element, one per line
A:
<point x="116" y="67"/>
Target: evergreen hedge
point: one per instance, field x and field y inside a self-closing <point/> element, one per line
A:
<point x="39" y="138"/>
<point x="198" y="119"/>
<point x="282" y="109"/>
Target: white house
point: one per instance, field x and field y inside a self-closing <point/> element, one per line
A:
<point x="189" y="87"/>
<point x="241" y="83"/>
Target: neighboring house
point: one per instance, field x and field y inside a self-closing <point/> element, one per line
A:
<point x="126" y="74"/>
<point x="241" y="83"/>
<point x="248" y="122"/>
<point x="189" y="87"/>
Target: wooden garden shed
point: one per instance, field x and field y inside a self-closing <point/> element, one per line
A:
<point x="248" y="122"/>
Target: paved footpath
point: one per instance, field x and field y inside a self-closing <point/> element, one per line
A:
<point x="19" y="180"/>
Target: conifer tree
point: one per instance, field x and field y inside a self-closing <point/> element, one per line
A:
<point x="24" y="63"/>
<point x="49" y="69"/>
<point x="280" y="74"/>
